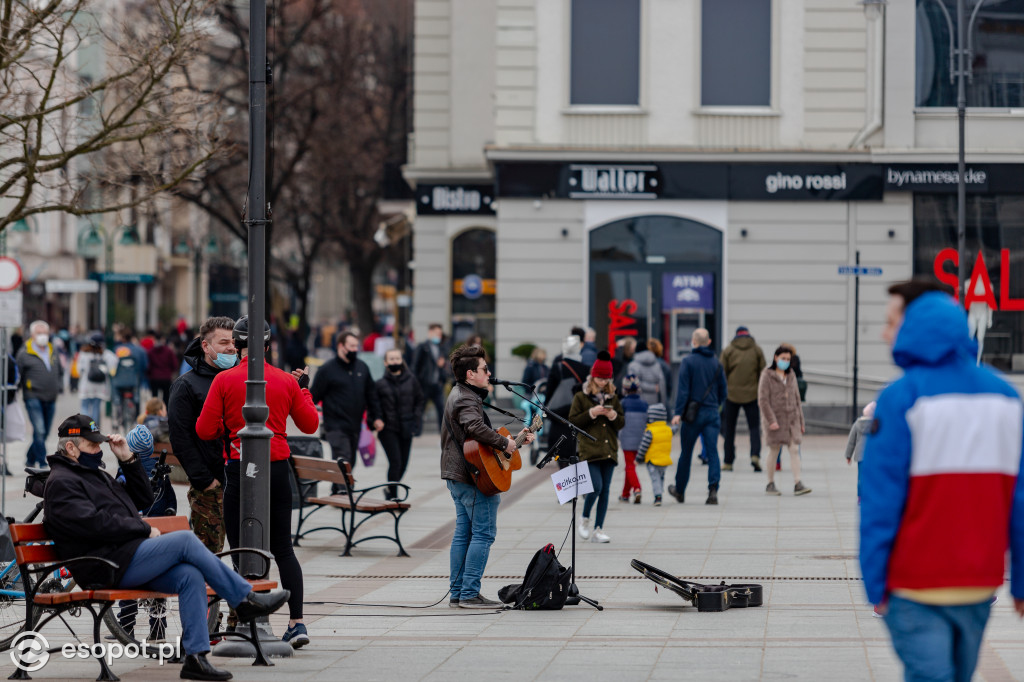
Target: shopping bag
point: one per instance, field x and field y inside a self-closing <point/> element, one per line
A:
<point x="367" y="445"/>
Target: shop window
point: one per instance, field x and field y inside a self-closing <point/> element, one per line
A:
<point x="605" y="52"/>
<point x="997" y="58"/>
<point x="474" y="268"/>
<point x="736" y="53"/>
<point x="995" y="230"/>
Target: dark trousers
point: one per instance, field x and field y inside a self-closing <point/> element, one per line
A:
<point x="731" y="416"/>
<point x="280" y="525"/>
<point x="344" y="446"/>
<point x="396" y="447"/>
<point x="434" y="395"/>
<point x="161" y="388"/>
<point x="707" y="425"/>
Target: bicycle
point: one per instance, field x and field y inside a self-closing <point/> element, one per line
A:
<point x="15" y="616"/>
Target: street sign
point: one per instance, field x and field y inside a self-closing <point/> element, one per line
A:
<point x="10" y="274"/>
<point x="10" y="308"/>
<point x="859" y="271"/>
<point x="72" y="286"/>
<point x="472" y="287"/>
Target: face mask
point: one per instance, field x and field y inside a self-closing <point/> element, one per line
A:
<point x="782" y="364"/>
<point x="226" y="360"/>
<point x="435" y="340"/>
<point x="41" y="340"/>
<point x="90" y="460"/>
<point x="395" y="369"/>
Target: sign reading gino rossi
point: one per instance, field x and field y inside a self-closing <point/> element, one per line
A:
<point x="804" y="182"/>
<point x="446" y="199"/>
<point x="607" y="181"/>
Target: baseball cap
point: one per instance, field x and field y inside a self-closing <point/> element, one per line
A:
<point x="81" y="426"/>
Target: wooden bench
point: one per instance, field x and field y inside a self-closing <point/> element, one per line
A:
<point x="37" y="556"/>
<point x="352" y="503"/>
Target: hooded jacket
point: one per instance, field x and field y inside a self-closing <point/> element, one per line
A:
<point x="88" y="513"/>
<point x="697" y="371"/>
<point x="942" y="498"/>
<point x="401" y="402"/>
<point x="647" y="369"/>
<point x="202" y="460"/>
<point x="743" y="362"/>
<point x="37" y="380"/>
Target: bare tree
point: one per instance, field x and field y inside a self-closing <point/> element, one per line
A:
<point x="92" y="101"/>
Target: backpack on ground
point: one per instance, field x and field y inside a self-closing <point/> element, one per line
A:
<point x="545" y="586"/>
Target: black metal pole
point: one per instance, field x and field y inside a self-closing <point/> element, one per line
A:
<point x="961" y="185"/>
<point x="856" y="336"/>
<point x="255" y="437"/>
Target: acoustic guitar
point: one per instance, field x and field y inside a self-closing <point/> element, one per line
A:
<point x="494" y="469"/>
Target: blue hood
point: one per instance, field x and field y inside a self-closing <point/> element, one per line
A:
<point x="703" y="350"/>
<point x="934" y="332"/>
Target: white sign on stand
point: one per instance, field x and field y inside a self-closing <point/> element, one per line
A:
<point x="572" y="481"/>
<point x="10" y="293"/>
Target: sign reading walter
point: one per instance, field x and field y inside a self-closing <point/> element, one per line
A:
<point x="447" y="199"/>
<point x="694" y="290"/>
<point x="613" y="181"/>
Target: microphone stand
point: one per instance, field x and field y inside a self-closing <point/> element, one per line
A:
<point x="574" y="597"/>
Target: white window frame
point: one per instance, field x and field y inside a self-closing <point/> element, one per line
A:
<point x="638" y="109"/>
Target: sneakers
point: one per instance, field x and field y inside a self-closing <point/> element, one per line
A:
<point x="479" y="602"/>
<point x="800" y="489"/>
<point x="672" y="491"/>
<point x="584" y="528"/>
<point x="624" y="498"/>
<point x="636" y="497"/>
<point x="657" y="500"/>
<point x="712" y="496"/>
<point x="726" y="467"/>
<point x="453" y="603"/>
<point x="770" y="489"/>
<point x="599" y="536"/>
<point x="296" y="636"/>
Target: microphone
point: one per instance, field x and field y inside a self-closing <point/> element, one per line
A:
<point x="506" y="384"/>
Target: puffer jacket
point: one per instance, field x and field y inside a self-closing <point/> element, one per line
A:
<point x="464" y="413"/>
<point x="401" y="402"/>
<point x="647" y="369"/>
<point x="37" y="380"/>
<point x="743" y="363"/>
<point x="605" y="431"/>
<point x="632" y="432"/>
<point x="780" y="403"/>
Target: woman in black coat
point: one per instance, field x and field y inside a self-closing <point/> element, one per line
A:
<point x="401" y="401"/>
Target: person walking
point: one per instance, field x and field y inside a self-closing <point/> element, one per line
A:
<point x="564" y="380"/>
<point x="635" y="410"/>
<point x="855" y="441"/>
<point x="943" y="494"/>
<point x="743" y="362"/>
<point x="588" y="351"/>
<point x="401" y="404"/>
<point x="646" y="368"/>
<point x="430" y="365"/>
<point x="94" y="367"/>
<point x="656" y="347"/>
<point x="597" y="410"/>
<point x="162" y="369"/>
<point x="702" y="381"/>
<point x="345" y="387"/>
<point x="222" y="419"/>
<point x="656" y="448"/>
<point x="41" y="382"/>
<point x="778" y="398"/>
<point x="536" y="369"/>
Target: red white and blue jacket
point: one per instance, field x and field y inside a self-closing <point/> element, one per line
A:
<point x="942" y="498"/>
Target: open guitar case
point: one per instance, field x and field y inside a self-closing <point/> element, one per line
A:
<point x="704" y="597"/>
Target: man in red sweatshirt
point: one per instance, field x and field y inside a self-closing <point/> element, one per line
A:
<point x="221" y="418"/>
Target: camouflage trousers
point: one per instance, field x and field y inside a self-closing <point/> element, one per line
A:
<point x="208" y="516"/>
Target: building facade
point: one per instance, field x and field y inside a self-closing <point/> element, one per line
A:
<point x="650" y="166"/>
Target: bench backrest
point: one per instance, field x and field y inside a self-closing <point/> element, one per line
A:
<point x="311" y="468"/>
<point x="28" y="536"/>
<point x="161" y="448"/>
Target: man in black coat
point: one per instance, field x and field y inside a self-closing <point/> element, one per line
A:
<point x="430" y="365"/>
<point x="89" y="514"/>
<point x="345" y="387"/>
<point x="210" y="353"/>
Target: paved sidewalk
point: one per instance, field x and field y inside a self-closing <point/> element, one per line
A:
<point x="814" y="625"/>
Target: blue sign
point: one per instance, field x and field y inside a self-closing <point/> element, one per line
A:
<point x="859" y="271"/>
<point x="693" y="290"/>
<point x="472" y="287"/>
<point x="122" y="277"/>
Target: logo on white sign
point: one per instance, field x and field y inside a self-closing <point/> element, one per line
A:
<point x="572" y="481"/>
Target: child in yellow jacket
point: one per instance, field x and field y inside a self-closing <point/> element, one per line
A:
<point x="656" y="448"/>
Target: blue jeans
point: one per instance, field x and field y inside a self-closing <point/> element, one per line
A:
<point x="40" y="413"/>
<point x="91" y="408"/>
<point x="937" y="643"/>
<point x="706" y="426"/>
<point x="476" y="524"/>
<point x="601" y="475"/>
<point x="179" y="563"/>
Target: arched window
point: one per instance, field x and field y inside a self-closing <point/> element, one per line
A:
<point x="473" y="283"/>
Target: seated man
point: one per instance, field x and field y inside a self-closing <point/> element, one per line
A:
<point x="88" y="513"/>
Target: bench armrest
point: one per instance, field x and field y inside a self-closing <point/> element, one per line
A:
<point x="51" y="567"/>
<point x="266" y="556"/>
<point x="359" y="494"/>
